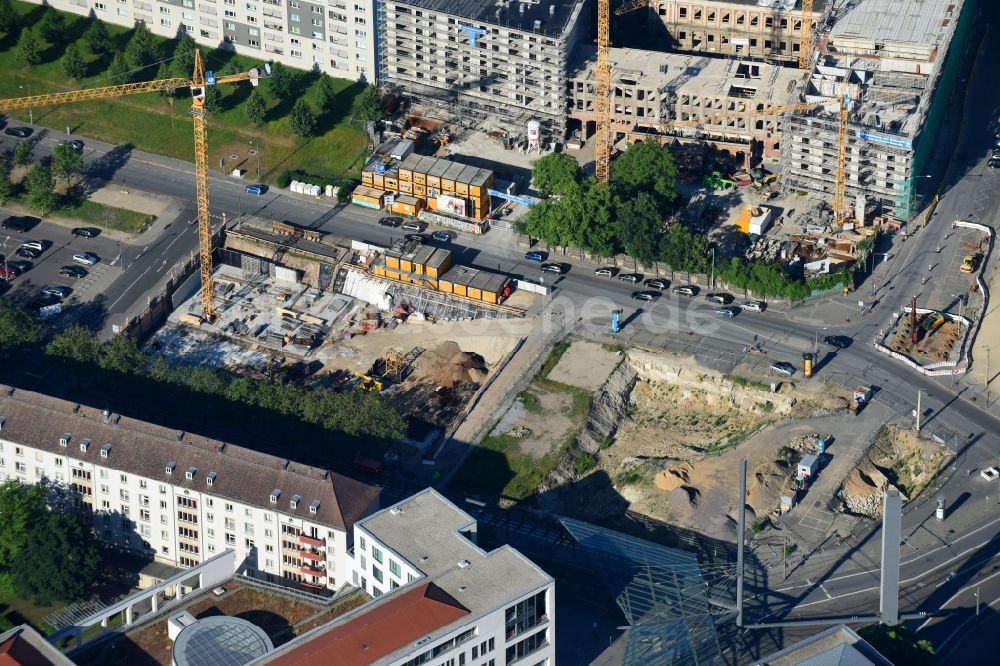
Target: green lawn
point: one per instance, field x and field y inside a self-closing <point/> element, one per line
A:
<point x="151" y="123"/>
<point x="15" y="611"/>
<point x="99" y="215"/>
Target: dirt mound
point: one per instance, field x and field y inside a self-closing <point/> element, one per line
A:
<point x="447" y="365"/>
<point x="671" y="479"/>
<point x="685" y="495"/>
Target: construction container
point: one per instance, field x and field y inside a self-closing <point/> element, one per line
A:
<point x="407" y="205"/>
<point x="807" y="467"/>
<point x="754" y="220"/>
<point x="476" y="284"/>
<point x="368" y="197"/>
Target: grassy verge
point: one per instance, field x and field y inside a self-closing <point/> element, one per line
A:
<point x="99" y="215"/>
<point x="158" y="124"/>
<point x="15" y="611"/>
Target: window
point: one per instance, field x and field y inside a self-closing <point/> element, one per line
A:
<point x="144" y="514"/>
<point x="210" y="533"/>
<point x="104" y="488"/>
<point x="248" y="513"/>
<point x="230" y="539"/>
<point x="123" y="494"/>
<point x="229" y="507"/>
<point x="377" y="574"/>
<point x="293" y="17"/>
<point x="248" y="528"/>
<point x="122" y="11"/>
<point x="296" y="54"/>
<point x="394" y="568"/>
<point x="377" y="554"/>
<point x="59" y="462"/>
<point x="364" y="544"/>
<point x="230" y="524"/>
<point x="209" y="517"/>
<point x="250" y="544"/>
<point x="530" y="644"/>
<point x="164" y="10"/>
<point x="163" y="489"/>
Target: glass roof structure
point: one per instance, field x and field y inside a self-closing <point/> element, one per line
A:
<point x="661" y="591"/>
<point x="220" y="641"/>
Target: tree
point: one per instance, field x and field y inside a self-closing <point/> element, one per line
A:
<point x="29" y="49"/>
<point x="646" y="167"/>
<point x="97" y="37"/>
<point x="76" y="343"/>
<point x="52" y="26"/>
<point x="59" y="560"/>
<point x="255" y="108"/>
<point x="10" y="20"/>
<point x="20" y="507"/>
<point x="369" y="105"/>
<point x="213" y="98"/>
<point x="555" y="174"/>
<point x="141" y="50"/>
<point x="302" y="121"/>
<point x="183" y="63"/>
<point x="118" y="71"/>
<point x="598" y="221"/>
<point x="66" y="162"/>
<point x="899" y="644"/>
<point x="73" y="63"/>
<point x="123" y="355"/>
<point x="280" y="81"/>
<point x="39" y="189"/>
<point x="16" y="329"/>
<point x="6" y="186"/>
<point x="22" y="153"/>
<point x="326" y="96"/>
<point x="640" y="226"/>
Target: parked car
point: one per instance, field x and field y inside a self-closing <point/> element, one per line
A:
<point x="605" y="272"/>
<point x="75" y="272"/>
<point x="535" y="255"/>
<point x="630" y="277"/>
<point x="18" y="223"/>
<point x="23" y="266"/>
<point x="753" y="306"/>
<point x="414" y="226"/>
<point x="443" y="236"/>
<point x="553" y="268"/>
<point x="645" y="295"/>
<point x="783" y="368"/>
<point x="657" y="284"/>
<point x="838" y="341"/>
<point x="86" y="258"/>
<point x="994" y="163"/>
<point x="720" y="298"/>
<point x="390" y="221"/>
<point x="683" y="290"/>
<point x="256" y="189"/>
<point x="39" y="303"/>
<point x="10" y="272"/>
<point x="28" y="252"/>
<point x="86" y="232"/>
<point x="56" y="291"/>
<point x="726" y="312"/>
<point x="34" y="245"/>
<point x="75" y="144"/>
<point x="22" y="132"/>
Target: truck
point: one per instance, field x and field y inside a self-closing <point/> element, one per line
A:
<point x="862" y="394"/>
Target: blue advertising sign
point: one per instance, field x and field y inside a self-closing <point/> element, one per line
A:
<point x="886" y="139"/>
<point x="210" y="78"/>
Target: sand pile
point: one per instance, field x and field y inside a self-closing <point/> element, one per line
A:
<point x="447" y="365"/>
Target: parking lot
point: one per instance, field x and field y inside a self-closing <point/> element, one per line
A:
<point x="59" y="245"/>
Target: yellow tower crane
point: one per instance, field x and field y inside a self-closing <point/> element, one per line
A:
<point x="602" y="95"/>
<point x="197" y="84"/>
<point x="840" y="212"/>
<point x="805" y="35"/>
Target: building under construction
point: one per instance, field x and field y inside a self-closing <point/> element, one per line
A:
<point x="476" y="62"/>
<point x="897" y="63"/>
<point x="687" y="95"/>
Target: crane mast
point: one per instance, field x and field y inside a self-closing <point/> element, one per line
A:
<point x="602" y="95"/>
<point x="805" y="35"/>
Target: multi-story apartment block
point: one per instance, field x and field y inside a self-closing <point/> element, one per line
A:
<point x="653" y="93"/>
<point x="336" y="36"/>
<point x="182" y="497"/>
<point x="439" y="598"/>
<point x="758" y="28"/>
<point x="476" y="61"/>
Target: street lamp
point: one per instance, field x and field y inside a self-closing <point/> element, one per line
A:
<point x="5" y="256"/>
<point x="255" y="142"/>
<point x="31" y="113"/>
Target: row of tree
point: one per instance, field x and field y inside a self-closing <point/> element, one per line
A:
<point x="48" y="549"/>
<point x="39" y="185"/>
<point x="354" y="413"/>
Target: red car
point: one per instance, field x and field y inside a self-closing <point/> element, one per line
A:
<point x="9" y="272"/>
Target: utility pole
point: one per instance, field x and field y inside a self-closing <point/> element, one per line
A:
<point x="977" y="601"/>
<point x="986" y="379"/>
<point x="784" y="557"/>
<point x="742" y="536"/>
<point x="919" y="393"/>
<point x="712" y="281"/>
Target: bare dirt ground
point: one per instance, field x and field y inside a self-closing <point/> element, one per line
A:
<point x="585" y="365"/>
<point x="932" y="346"/>
<point x="675" y="456"/>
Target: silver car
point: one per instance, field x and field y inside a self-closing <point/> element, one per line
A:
<point x="783" y="368"/>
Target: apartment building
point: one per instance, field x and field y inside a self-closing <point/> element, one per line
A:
<point x="479" y="62"/>
<point x="661" y="94"/>
<point x="770" y="29"/>
<point x="182" y="497"/>
<point x="438" y="597"/>
<point x="898" y="62"/>
<point x="336" y="36"/>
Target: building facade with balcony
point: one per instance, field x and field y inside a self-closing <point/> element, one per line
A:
<point x="182" y="497"/>
<point x="438" y="598"/>
<point x="335" y="36"/>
